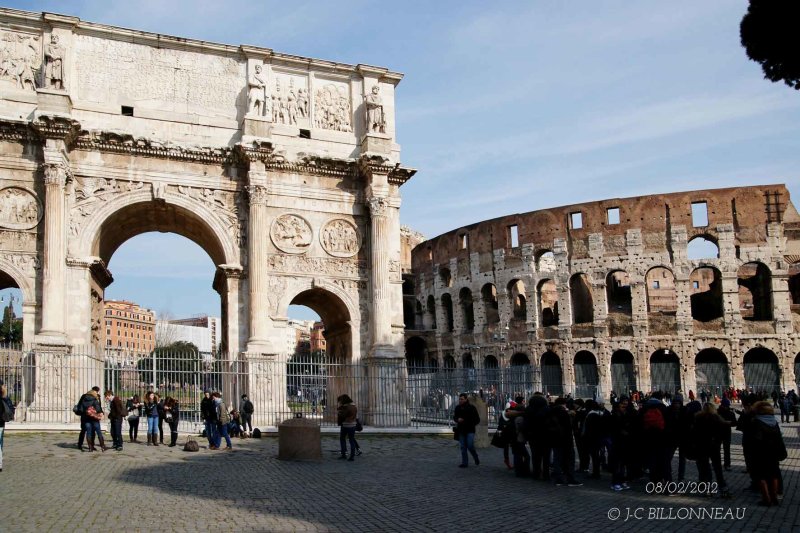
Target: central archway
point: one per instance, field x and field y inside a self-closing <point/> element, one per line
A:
<point x="762" y="373"/>
<point x="665" y="371"/>
<point x="586" y="379"/>
<point x="623" y="378"/>
<point x="712" y="371"/>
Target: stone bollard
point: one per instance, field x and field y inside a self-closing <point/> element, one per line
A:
<point x="299" y="440"/>
<point x="482" y="431"/>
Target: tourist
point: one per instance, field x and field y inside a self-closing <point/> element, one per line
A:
<point x="504" y="429"/>
<point x="786" y="408"/>
<point x="5" y="405"/>
<point x="656" y="448"/>
<point x="235" y="425"/>
<point x="466" y="418"/>
<point x="151" y="411"/>
<point x="223" y="418"/>
<point x="559" y="432"/>
<point x="593" y="434"/>
<point x="134" y="407"/>
<point x="209" y="416"/>
<point x="706" y="433"/>
<point x="518" y="436"/>
<point x="92" y="411"/>
<point x="745" y="426"/>
<point x="84" y="419"/>
<point x="160" y="403"/>
<point x="346" y="414"/>
<point x="536" y="414"/>
<point x="247" y="414"/>
<point x="116" y="412"/>
<point x="622" y="430"/>
<point x="171" y="416"/>
<point x="768" y="450"/>
<point x="726" y="413"/>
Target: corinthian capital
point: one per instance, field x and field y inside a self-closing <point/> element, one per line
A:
<point x="377" y="205"/>
<point x="257" y="194"/>
<point x="55" y="174"/>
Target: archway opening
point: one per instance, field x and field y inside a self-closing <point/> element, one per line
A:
<point x="797" y="371"/>
<point x="662" y="301"/>
<point x="712" y="372"/>
<point x="665" y="371"/>
<point x="11" y="318"/>
<point x="702" y="247"/>
<point x="706" y="298"/>
<point x="552" y="377"/>
<point x="620" y="307"/>
<point x="755" y="292"/>
<point x="545" y="261"/>
<point x="516" y="295"/>
<point x="447" y="305"/>
<point x="490" y="307"/>
<point x="520" y="375"/>
<point x="467" y="312"/>
<point x="430" y="314"/>
<point x="762" y="373"/>
<point x="548" y="303"/>
<point x="581" y="297"/>
<point x="416" y="354"/>
<point x="586" y="378"/>
<point x="623" y="375"/>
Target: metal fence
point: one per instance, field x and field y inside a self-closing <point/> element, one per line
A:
<point x="46" y="382"/>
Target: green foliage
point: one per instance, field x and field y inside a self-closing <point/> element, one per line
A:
<point x="769" y="33"/>
<point x="176" y="363"/>
<point x="10" y="327"/>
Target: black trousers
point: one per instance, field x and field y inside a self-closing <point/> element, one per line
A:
<point x="541" y="459"/>
<point x="704" y="468"/>
<point x="116" y="432"/>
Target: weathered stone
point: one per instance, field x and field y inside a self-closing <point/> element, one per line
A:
<point x="299" y="439"/>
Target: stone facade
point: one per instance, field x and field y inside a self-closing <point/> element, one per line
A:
<point x="284" y="169"/>
<point x="603" y="296"/>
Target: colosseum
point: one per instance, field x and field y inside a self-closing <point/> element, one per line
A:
<point x="695" y="291"/>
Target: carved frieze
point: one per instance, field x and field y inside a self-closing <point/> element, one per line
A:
<point x="91" y="193"/>
<point x="316" y="265"/>
<point x="27" y="263"/>
<point x="20" y="208"/>
<point x="290" y="101"/>
<point x="226" y="204"/>
<point x="291" y="234"/>
<point x="18" y="240"/>
<point x="20" y="59"/>
<point x="377" y="206"/>
<point x="332" y="110"/>
<point x="340" y="238"/>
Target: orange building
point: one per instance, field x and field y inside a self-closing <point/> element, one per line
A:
<point x="317" y="338"/>
<point x="129" y="327"/>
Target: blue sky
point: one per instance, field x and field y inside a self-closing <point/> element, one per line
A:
<point x="506" y="106"/>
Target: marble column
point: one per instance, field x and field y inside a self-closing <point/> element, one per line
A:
<point x="258" y="278"/>
<point x="54" y="264"/>
<point x="379" y="263"/>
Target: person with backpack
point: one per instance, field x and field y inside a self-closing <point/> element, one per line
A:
<point x="347" y="419"/>
<point x="622" y="432"/>
<point x="656" y="447"/>
<point x="209" y="415"/>
<point x="536" y="415"/>
<point x="92" y="412"/>
<point x="729" y="417"/>
<point x="79" y="410"/>
<point x="134" y="408"/>
<point x="768" y="450"/>
<point x="223" y="419"/>
<point x="246" y="413"/>
<point x="171" y="416"/>
<point x="6" y="415"/>
<point x="593" y="434"/>
<point x="559" y="428"/>
<point x="706" y="435"/>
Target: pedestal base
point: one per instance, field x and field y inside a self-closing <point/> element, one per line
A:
<point x="377" y="143"/>
<point x="52" y="102"/>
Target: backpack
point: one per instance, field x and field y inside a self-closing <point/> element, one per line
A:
<point x="248" y="407"/>
<point x="256" y="433"/>
<point x="653" y="419"/>
<point x="8" y="410"/>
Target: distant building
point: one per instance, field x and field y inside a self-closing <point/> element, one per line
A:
<point x="202" y="331"/>
<point x="129" y="327"/>
<point x="318" y="337"/>
<point x="298" y="337"/>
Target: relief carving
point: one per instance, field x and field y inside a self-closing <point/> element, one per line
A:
<point x="376" y="121"/>
<point x="19" y="60"/>
<point x="340" y="238"/>
<point x="316" y="265"/>
<point x="291" y="234"/>
<point x="18" y="240"/>
<point x="91" y="193"/>
<point x="377" y="206"/>
<point x="332" y="108"/>
<point x="20" y="209"/>
<point x="224" y="204"/>
<point x="27" y="263"/>
<point x="256" y="93"/>
<point x="289" y="103"/>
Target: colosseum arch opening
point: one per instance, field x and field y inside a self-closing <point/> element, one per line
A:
<point x="702" y="247"/>
<point x="521" y="374"/>
<point x="519" y="304"/>
<point x="490" y="307"/>
<point x="706" y="298"/>
<point x="447" y="307"/>
<point x="586" y="378"/>
<point x="712" y="372"/>
<point x="416" y="354"/>
<point x="545" y="261"/>
<point x="548" y="308"/>
<point x="620" y="307"/>
<point x="755" y="295"/>
<point x="623" y="375"/>
<point x="582" y="302"/>
<point x="662" y="301"/>
<point x="665" y="371"/>
<point x="467" y="310"/>
<point x="552" y="375"/>
<point x="762" y="373"/>
<point x="430" y="313"/>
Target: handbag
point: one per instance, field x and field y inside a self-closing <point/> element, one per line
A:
<point x="498" y="441"/>
<point x="359" y="427"/>
<point x="456" y="434"/>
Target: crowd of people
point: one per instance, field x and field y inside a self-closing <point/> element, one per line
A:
<point x="641" y="438"/>
<point x="220" y="421"/>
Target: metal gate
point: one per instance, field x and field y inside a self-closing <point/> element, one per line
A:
<point x="623" y="378"/>
<point x="552" y="379"/>
<point x="586" y="380"/>
<point x="762" y="377"/>
<point x="712" y="377"/>
<point x="665" y="376"/>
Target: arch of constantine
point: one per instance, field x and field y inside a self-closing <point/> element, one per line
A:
<point x="618" y="295"/>
<point x="284" y="169"/>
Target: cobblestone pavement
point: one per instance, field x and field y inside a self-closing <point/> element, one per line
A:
<point x="399" y="484"/>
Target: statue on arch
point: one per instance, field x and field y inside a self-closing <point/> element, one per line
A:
<point x="376" y="121"/>
<point x="54" y="64"/>
<point x="256" y="96"/>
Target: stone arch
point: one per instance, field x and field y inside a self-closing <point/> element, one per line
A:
<point x="430" y="308"/>
<point x="419" y="315"/>
<point x="797" y="371"/>
<point x="490" y="307"/>
<point x="703" y="246"/>
<point x="586" y="376"/>
<point x="662" y="301"/>
<point x="712" y="372"/>
<point x="467" y="310"/>
<point x="548" y="303"/>
<point x="467" y="361"/>
<point x="516" y="296"/>
<point x="520" y="377"/>
<point x="409" y="314"/>
<point x="445" y="277"/>
<point x="794" y="285"/>
<point x="491" y="369"/>
<point x="447" y="305"/>
<point x="416" y="353"/>
<point x="12" y="277"/>
<point x="545" y="261"/>
<point x="552" y="375"/>
<point x="665" y="371"/>
<point x="755" y="291"/>
<point x="623" y="372"/>
<point x="580" y="290"/>
<point x="449" y="363"/>
<point x="762" y="372"/>
<point x="618" y="292"/>
<point x="706" y="294"/>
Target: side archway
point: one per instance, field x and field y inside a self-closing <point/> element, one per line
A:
<point x="712" y="371"/>
<point x="623" y="376"/>
<point x="586" y="378"/>
<point x="552" y="376"/>
<point x="762" y="373"/>
<point x="665" y="371"/>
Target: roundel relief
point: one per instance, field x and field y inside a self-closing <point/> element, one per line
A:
<point x="19" y="208"/>
<point x="291" y="234"/>
<point x="340" y="238"/>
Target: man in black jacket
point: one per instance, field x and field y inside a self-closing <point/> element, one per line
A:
<point x="85" y="400"/>
<point x="559" y="426"/>
<point x="246" y="413"/>
<point x="115" y="415"/>
<point x="209" y="415"/>
<point x="466" y="418"/>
